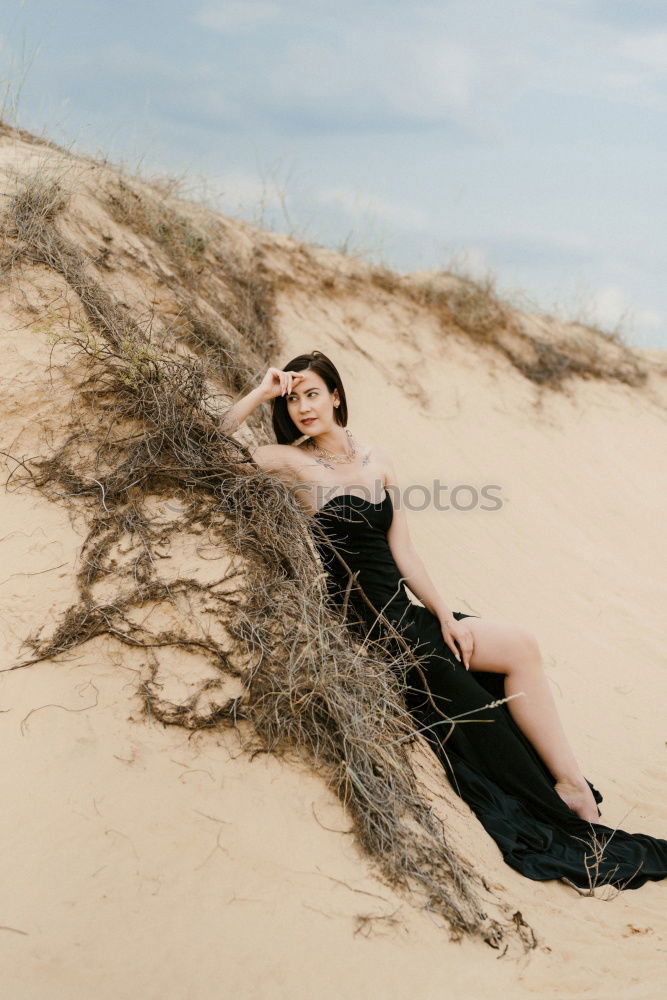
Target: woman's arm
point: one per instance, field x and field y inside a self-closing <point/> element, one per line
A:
<point x="275" y="383"/>
<point x="405" y="555"/>
<point x="242" y="409"/>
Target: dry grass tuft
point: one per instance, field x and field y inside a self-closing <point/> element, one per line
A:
<point x="153" y="216"/>
<point x="474" y="307"/>
<point x="197" y="250"/>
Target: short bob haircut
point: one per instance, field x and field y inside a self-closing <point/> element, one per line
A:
<point x="284" y="427"/>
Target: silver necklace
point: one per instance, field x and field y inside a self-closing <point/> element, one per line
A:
<point x="323" y="453"/>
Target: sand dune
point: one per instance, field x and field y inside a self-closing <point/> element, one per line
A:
<point x="157" y="861"/>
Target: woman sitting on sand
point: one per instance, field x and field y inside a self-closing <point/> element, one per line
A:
<point x="519" y="775"/>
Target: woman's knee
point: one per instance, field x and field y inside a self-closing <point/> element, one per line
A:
<point x="528" y="647"/>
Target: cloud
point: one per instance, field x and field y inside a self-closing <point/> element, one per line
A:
<point x="234" y="189"/>
<point x="237" y="16"/>
<point x="429" y="77"/>
<point x="387" y="79"/>
<point x="598" y="60"/>
<point x="463" y="67"/>
<point x="357" y="204"/>
<point x="238" y="187"/>
<point x="241" y="192"/>
<point x="468" y="64"/>
<point x="649" y="50"/>
<point x="609" y="306"/>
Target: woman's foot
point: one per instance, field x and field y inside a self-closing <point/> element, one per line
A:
<point x="579" y="797"/>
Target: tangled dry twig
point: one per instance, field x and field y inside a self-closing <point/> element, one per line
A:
<point x="143" y="429"/>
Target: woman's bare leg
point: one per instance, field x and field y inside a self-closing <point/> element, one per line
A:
<point x="514" y="651"/>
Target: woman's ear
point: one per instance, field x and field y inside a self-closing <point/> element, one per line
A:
<point x="336" y="398"/>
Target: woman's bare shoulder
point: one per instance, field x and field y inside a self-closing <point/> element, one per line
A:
<point x="382" y="456"/>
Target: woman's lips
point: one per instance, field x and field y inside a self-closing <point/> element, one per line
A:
<point x="310" y="420"/>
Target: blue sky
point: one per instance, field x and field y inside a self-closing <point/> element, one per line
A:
<point x="526" y="138"/>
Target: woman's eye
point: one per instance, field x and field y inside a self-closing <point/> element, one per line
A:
<point x="313" y="392"/>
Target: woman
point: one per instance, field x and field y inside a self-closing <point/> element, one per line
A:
<point x="519" y="774"/>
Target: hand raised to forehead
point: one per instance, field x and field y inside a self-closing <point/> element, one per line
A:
<point x="277" y="382"/>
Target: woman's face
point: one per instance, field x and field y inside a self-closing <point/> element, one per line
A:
<point x="311" y="405"/>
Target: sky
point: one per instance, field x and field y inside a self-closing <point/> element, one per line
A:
<point x="520" y="139"/>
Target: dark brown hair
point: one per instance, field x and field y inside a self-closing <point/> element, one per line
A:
<point x="284" y="427"/>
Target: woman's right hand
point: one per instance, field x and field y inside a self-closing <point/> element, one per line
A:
<point x="277" y="382"/>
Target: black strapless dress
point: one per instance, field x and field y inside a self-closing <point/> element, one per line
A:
<point x="492" y="766"/>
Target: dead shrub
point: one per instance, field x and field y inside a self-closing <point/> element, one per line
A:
<point x="143" y="425"/>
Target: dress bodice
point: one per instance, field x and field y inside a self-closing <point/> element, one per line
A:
<point x="355" y="529"/>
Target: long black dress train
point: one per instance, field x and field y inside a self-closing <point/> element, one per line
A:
<point x="493" y="767"/>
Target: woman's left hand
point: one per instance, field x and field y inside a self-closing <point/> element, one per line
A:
<point x="459" y="632"/>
